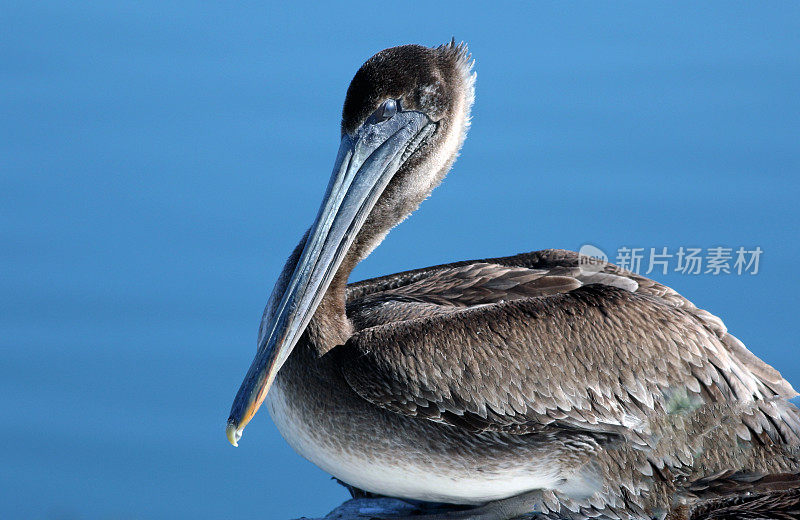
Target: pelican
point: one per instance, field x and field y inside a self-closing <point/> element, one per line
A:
<point x="536" y="382"/>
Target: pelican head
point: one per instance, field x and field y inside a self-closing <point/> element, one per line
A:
<point x="404" y="119"/>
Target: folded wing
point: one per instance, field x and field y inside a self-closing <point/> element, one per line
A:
<point x="523" y="343"/>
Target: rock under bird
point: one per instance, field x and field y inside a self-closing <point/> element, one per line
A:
<point x="531" y="382"/>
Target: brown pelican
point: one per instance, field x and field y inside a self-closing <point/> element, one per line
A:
<point x="532" y="382"/>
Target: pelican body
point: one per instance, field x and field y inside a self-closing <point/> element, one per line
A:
<point x="535" y="382"/>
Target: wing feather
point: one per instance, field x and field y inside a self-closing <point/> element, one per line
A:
<point x="520" y="343"/>
<point x="570" y="359"/>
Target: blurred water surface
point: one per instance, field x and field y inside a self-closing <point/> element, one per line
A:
<point x="158" y="161"/>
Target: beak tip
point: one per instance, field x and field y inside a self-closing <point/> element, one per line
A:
<point x="234" y="434"/>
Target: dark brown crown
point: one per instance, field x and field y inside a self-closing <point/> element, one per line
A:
<point x="422" y="78"/>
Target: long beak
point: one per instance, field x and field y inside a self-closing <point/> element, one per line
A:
<point x="365" y="164"/>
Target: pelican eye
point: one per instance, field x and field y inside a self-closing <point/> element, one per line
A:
<point x="387" y="110"/>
